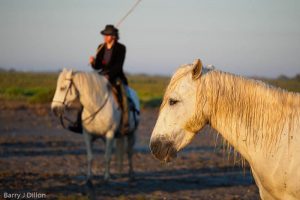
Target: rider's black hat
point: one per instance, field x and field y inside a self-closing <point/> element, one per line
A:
<point x="110" y="30"/>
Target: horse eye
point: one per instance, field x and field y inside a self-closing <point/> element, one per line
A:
<point x="62" y="88"/>
<point x="173" y="102"/>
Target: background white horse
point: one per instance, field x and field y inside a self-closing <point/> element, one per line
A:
<point x="101" y="114"/>
<point x="259" y="121"/>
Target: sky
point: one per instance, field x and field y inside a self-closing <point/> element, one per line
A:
<point x="245" y="37"/>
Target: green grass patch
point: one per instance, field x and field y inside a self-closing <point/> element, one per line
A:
<point x="35" y="88"/>
<point x="150" y="89"/>
<point x="30" y="95"/>
<point x="292" y="85"/>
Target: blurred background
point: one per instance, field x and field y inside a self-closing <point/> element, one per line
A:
<point x="245" y="37"/>
<point x="250" y="38"/>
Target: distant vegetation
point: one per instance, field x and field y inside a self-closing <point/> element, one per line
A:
<point x="35" y="88"/>
<point x="150" y="89"/>
<point x="32" y="88"/>
<point x="290" y="84"/>
<point x="27" y="87"/>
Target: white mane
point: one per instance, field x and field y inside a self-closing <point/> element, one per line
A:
<point x="263" y="108"/>
<point x="94" y="86"/>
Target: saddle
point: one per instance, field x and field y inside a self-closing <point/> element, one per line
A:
<point x="127" y="105"/>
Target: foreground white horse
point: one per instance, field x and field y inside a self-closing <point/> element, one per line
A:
<point x="259" y="121"/>
<point x="101" y="113"/>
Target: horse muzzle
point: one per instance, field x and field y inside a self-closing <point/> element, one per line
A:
<point x="57" y="109"/>
<point x="163" y="149"/>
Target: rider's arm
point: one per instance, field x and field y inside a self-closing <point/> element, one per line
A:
<point x="97" y="64"/>
<point x="117" y="63"/>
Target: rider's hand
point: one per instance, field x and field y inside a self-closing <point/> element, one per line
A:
<point x="92" y="60"/>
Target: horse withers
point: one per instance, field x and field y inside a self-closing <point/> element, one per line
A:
<point x="101" y="115"/>
<point x="260" y="121"/>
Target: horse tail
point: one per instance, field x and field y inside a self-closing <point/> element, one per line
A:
<point x="120" y="143"/>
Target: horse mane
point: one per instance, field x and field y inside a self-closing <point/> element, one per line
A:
<point x="93" y="86"/>
<point x="263" y="110"/>
<point x="253" y="104"/>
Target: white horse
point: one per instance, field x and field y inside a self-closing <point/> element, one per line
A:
<point x="259" y="121"/>
<point x="101" y="113"/>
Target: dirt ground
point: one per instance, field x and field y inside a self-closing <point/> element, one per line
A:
<point x="38" y="157"/>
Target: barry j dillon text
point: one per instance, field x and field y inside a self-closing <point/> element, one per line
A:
<point x="24" y="195"/>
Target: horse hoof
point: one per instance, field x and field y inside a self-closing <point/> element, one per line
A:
<point x="106" y="178"/>
<point x="118" y="176"/>
<point x="89" y="184"/>
<point x="90" y="190"/>
<point x="120" y="172"/>
<point x="131" y="177"/>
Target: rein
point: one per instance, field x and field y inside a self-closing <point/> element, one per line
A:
<point x="63" y="117"/>
<point x="97" y="111"/>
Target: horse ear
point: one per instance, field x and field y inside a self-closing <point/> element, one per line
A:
<point x="69" y="74"/>
<point x="197" y="69"/>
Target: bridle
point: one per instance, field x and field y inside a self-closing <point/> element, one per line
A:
<point x="62" y="117"/>
<point x="65" y="97"/>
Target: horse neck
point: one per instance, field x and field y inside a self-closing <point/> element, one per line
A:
<point x="242" y="111"/>
<point x="92" y="90"/>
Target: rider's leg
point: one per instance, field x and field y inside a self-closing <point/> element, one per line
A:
<point x="125" y="107"/>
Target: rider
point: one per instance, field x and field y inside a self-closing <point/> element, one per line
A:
<point x="110" y="56"/>
<point x="109" y="62"/>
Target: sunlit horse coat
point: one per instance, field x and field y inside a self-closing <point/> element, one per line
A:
<point x="260" y="121"/>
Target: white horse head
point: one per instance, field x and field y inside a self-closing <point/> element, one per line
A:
<point x="173" y="130"/>
<point x="65" y="93"/>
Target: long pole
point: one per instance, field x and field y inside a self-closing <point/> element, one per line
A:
<point x="128" y="13"/>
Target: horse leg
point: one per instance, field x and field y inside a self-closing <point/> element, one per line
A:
<point x="130" y="144"/>
<point x="120" y="153"/>
<point x="89" y="147"/>
<point x="108" y="152"/>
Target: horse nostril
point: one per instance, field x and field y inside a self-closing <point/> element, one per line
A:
<point x="54" y="110"/>
<point x="163" y="149"/>
<point x="57" y="111"/>
<point x="155" y="146"/>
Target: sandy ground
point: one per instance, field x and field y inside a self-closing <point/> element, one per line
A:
<point x="38" y="157"/>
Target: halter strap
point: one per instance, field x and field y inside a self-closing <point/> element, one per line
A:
<point x="98" y="110"/>
<point x="62" y="116"/>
